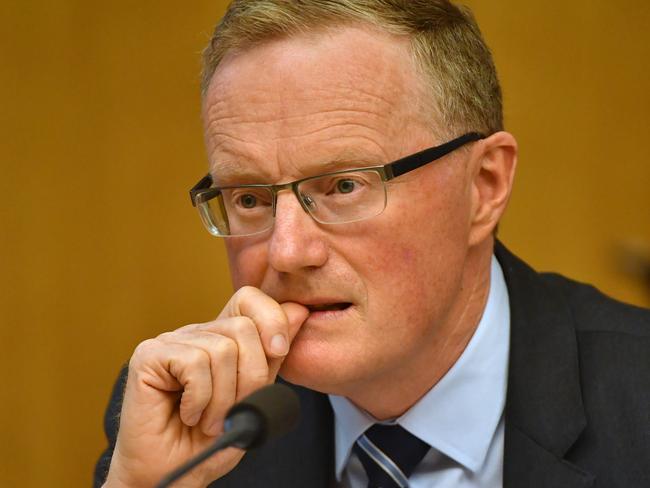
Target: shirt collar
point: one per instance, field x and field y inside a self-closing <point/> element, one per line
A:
<point x="460" y="414"/>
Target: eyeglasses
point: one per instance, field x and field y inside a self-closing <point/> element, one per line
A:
<point x="331" y="198"/>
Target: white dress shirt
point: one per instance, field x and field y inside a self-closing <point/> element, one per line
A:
<point x="461" y="417"/>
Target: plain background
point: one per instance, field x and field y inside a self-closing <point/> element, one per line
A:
<point x="100" y="140"/>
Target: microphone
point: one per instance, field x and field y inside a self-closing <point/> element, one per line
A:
<point x="266" y="413"/>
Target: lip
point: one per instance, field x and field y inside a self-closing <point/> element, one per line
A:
<point x="327" y="306"/>
<point x="328" y="314"/>
<point x="314" y="302"/>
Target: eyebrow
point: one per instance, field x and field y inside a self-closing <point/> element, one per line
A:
<point x="233" y="173"/>
<point x="230" y="170"/>
<point x="342" y="163"/>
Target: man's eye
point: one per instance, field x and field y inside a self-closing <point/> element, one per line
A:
<point x="346" y="186"/>
<point x="248" y="201"/>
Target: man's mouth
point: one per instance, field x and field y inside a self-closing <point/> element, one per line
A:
<point x="328" y="307"/>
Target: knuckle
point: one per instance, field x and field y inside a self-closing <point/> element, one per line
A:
<point x="165" y="336"/>
<point x="145" y="348"/>
<point x="185" y="328"/>
<point x="246" y="291"/>
<point x="242" y="296"/>
<point x="226" y="348"/>
<point x="245" y="326"/>
<point x="196" y="357"/>
<point x="144" y="355"/>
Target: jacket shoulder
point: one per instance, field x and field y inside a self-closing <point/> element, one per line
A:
<point x="593" y="311"/>
<point x="579" y="382"/>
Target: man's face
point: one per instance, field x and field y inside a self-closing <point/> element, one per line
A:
<point x="382" y="291"/>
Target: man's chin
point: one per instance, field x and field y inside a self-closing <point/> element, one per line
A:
<point x="306" y="369"/>
<point x="317" y="368"/>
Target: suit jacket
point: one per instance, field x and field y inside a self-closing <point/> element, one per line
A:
<point x="577" y="410"/>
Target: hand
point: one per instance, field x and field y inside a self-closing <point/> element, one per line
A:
<point x="208" y="367"/>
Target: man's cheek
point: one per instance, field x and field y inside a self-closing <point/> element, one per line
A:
<point x="400" y="279"/>
<point x="248" y="265"/>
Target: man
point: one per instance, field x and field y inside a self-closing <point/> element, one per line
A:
<point x="358" y="171"/>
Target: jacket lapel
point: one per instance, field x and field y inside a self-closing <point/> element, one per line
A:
<point x="544" y="411"/>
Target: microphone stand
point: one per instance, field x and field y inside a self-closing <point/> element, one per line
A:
<point x="269" y="412"/>
<point x="242" y="430"/>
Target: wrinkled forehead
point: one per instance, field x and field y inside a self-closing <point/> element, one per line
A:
<point x="362" y="62"/>
<point x="350" y="82"/>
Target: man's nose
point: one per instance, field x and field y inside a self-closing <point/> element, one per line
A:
<point x="297" y="242"/>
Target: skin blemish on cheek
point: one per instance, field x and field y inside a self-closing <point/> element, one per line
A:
<point x="407" y="255"/>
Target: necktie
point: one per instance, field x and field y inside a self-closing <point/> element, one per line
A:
<point x="389" y="454"/>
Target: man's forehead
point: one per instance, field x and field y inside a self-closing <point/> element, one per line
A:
<point x="364" y="61"/>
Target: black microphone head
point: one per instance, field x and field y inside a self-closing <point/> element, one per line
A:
<point x="276" y="408"/>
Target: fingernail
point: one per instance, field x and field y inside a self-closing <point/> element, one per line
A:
<point x="279" y="345"/>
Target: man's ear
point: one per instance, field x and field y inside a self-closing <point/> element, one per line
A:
<point x="493" y="161"/>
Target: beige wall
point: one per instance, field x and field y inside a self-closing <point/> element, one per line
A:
<point x="100" y="139"/>
<point x="576" y="77"/>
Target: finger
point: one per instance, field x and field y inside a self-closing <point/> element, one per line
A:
<point x="252" y="365"/>
<point x="249" y="372"/>
<point x="296" y="315"/>
<point x="269" y="318"/>
<point x="223" y="352"/>
<point x="169" y="367"/>
<point x="225" y="377"/>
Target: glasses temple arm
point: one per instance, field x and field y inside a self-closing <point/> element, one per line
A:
<point x="416" y="160"/>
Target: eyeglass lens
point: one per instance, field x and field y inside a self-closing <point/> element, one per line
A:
<point x="329" y="199"/>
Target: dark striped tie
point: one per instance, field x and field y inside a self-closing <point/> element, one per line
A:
<point x="389" y="454"/>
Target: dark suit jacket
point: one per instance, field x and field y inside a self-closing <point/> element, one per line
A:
<point x="577" y="408"/>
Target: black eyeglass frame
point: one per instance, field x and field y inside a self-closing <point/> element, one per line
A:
<point x="202" y="191"/>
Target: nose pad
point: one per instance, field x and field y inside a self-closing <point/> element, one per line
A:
<point x="309" y="202"/>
